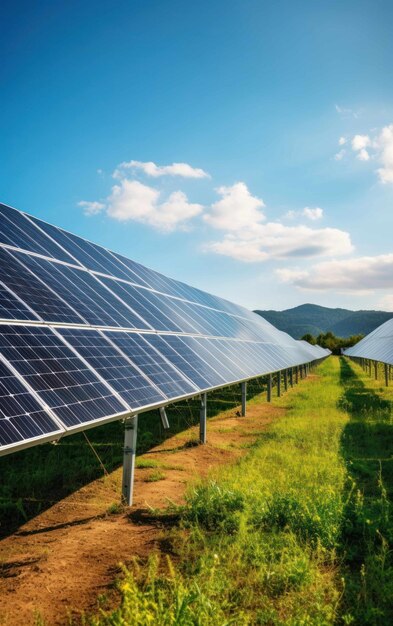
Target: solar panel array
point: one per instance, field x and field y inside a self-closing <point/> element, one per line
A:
<point x="88" y="336"/>
<point x="377" y="346"/>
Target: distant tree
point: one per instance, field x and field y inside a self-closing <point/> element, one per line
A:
<point x="331" y="342"/>
<point x="310" y="338"/>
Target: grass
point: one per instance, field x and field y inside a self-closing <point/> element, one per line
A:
<point x="34" y="479"/>
<point x="299" y="532"/>
<point x="155" y="476"/>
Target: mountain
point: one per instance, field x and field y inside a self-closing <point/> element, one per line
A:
<point x="314" y="319"/>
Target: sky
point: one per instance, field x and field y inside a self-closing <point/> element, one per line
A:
<point x="244" y="147"/>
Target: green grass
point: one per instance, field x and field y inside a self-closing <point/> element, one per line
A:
<point x="299" y="532"/>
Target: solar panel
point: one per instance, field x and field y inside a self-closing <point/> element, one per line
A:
<point x="18" y="231"/>
<point x="186" y="360"/>
<point x="377" y="345"/>
<point x="46" y="304"/>
<point x="22" y="418"/>
<point x="108" y="360"/>
<point x="160" y="371"/>
<point x="84" y="293"/>
<point x="11" y="307"/>
<point x="87" y="335"/>
<point x="60" y="378"/>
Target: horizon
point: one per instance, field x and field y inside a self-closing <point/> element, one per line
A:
<point x="222" y="145"/>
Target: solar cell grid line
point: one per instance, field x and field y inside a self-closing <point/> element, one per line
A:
<point x="18" y="231"/>
<point x="135" y="299"/>
<point x="238" y="352"/>
<point x="62" y="380"/>
<point x="213" y="356"/>
<point x="186" y="360"/>
<point x="148" y="277"/>
<point x="84" y="293"/>
<point x="12" y="307"/>
<point x="45" y="303"/>
<point x="159" y="370"/>
<point x="107" y="359"/>
<point x="23" y="421"/>
<point x="89" y="255"/>
<point x="230" y="351"/>
<point x="167" y="306"/>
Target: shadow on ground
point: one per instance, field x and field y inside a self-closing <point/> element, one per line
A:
<point x="33" y="480"/>
<point x="367" y="532"/>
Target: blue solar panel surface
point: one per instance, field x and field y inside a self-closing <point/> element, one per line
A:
<point x="62" y="299"/>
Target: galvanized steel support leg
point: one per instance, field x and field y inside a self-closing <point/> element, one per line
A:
<point x="129" y="452"/>
<point x="369" y="367"/>
<point x="244" y="399"/>
<point x="285" y="380"/>
<point x="296" y="375"/>
<point x="203" y="419"/>
<point x="376" y="370"/>
<point x="386" y="375"/>
<point x="269" y="388"/>
<point x="291" y="376"/>
<point x="278" y="384"/>
<point x="164" y="418"/>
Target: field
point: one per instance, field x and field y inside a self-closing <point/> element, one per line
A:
<point x="290" y="522"/>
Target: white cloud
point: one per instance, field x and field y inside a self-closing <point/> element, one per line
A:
<point x="362" y="274"/>
<point x="310" y="214"/>
<point x="91" y="208"/>
<point x="359" y="142"/>
<point x="376" y="148"/>
<point x="131" y="200"/>
<point x="339" y="155"/>
<point x="313" y="214"/>
<point x="151" y="169"/>
<point x="342" y="141"/>
<point x="237" y="210"/>
<point x="363" y="155"/>
<point x="248" y="238"/>
<point x="385" y="145"/>
<point x="275" y="240"/>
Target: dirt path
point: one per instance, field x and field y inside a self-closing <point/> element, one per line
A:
<point x="58" y="563"/>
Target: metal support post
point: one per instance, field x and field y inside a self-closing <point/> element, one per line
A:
<point x="278" y="384"/>
<point x="244" y="398"/>
<point x="376" y="370"/>
<point x="285" y="380"/>
<point x="164" y="418"/>
<point x="129" y="452"/>
<point x="296" y="374"/>
<point x="369" y="367"/>
<point x="203" y="419"/>
<point x="269" y="388"/>
<point x="386" y="366"/>
<point x="291" y="376"/>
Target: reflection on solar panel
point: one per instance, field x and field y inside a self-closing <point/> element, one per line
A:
<point x="22" y="418"/>
<point x="376" y="346"/>
<point x="88" y="336"/>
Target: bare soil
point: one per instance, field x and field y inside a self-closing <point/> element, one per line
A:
<point x="60" y="562"/>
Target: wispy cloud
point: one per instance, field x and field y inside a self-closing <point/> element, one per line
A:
<point x="377" y="147"/>
<point x="312" y="214"/>
<point x="184" y="170"/>
<point x="91" y="208"/>
<point x="347" y="112"/>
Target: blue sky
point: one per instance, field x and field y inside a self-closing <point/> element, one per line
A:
<point x="279" y="113"/>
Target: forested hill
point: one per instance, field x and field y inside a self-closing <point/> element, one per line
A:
<point x="314" y="319"/>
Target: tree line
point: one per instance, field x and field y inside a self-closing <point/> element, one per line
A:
<point x="330" y="341"/>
